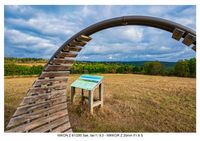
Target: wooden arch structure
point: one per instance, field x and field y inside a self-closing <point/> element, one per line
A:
<point x="44" y="108"/>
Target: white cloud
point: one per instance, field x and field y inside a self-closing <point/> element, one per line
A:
<point x="132" y="34"/>
<point x="47" y="24"/>
<point x="155" y="10"/>
<point x="160" y="10"/>
<point x="24" y="10"/>
<point x="23" y="40"/>
<point x="87" y="11"/>
<point x="187" y="21"/>
<point x="48" y="30"/>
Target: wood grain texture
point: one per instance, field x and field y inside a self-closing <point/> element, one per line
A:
<point x="44" y="109"/>
<point x="177" y="34"/>
<point x="83" y="38"/>
<point x="66" y="54"/>
<point x="189" y="39"/>
<point x="77" y="43"/>
<point x="49" y="82"/>
<point x="58" y="67"/>
<point x="59" y="61"/>
<point x="40" y="113"/>
<point x="39" y="122"/>
<point x="31" y="108"/>
<point x="54" y="74"/>
<point x="72" y="48"/>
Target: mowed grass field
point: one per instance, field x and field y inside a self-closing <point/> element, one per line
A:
<point x="132" y="103"/>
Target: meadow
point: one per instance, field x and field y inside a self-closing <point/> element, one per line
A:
<point x="132" y="103"/>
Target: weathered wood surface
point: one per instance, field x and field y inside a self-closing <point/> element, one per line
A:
<point x="59" y="61"/>
<point x="194" y="48"/>
<point x="53" y="74"/>
<point x="77" y="43"/>
<point x="72" y="48"/>
<point x="47" y="89"/>
<point x="63" y="128"/>
<point x="44" y="108"/>
<point x="84" y="38"/>
<point x="89" y="83"/>
<point x="66" y="54"/>
<point x="58" y="67"/>
<point x="42" y="97"/>
<point x="39" y="113"/>
<point x="189" y="39"/>
<point x="40" y="121"/>
<point x="177" y="34"/>
<point x="30" y="108"/>
<point x="53" y="125"/>
<point x="49" y="82"/>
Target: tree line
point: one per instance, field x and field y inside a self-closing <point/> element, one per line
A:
<point x="13" y="69"/>
<point x="182" y="68"/>
<point x="24" y="60"/>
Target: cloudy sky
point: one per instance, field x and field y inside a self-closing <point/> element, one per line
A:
<point x="38" y="31"/>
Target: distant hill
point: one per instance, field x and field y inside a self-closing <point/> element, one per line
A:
<point x="41" y="60"/>
<point x="135" y="63"/>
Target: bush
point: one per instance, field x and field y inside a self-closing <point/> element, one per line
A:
<point x="12" y="69"/>
<point x="154" y="68"/>
<point x="185" y="68"/>
<point x="192" y="67"/>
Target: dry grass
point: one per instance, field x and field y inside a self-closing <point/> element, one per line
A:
<point x="14" y="90"/>
<point x="31" y="64"/>
<point x="132" y="103"/>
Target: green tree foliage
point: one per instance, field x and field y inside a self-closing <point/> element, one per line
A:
<point x="12" y="69"/>
<point x="154" y="68"/>
<point x="185" y="68"/>
<point x="182" y="68"/>
<point x="192" y="67"/>
<point x="97" y="67"/>
<point x="23" y="60"/>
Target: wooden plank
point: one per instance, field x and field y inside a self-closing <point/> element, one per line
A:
<point x="101" y="93"/>
<point x="58" y="67"/>
<point x="73" y="91"/>
<point x="53" y="81"/>
<point x="91" y="101"/>
<point x="33" y="107"/>
<point x="53" y="124"/>
<point x="68" y="131"/>
<point x="47" y="89"/>
<point x="54" y="74"/>
<point x="194" y="48"/>
<point x="94" y="78"/>
<point x="66" y="54"/>
<point x="63" y="61"/>
<point x="189" y="39"/>
<point x="39" y="122"/>
<point x="77" y="43"/>
<point x="42" y="97"/>
<point x="84" y="38"/>
<point x="83" y="84"/>
<point x="71" y="48"/>
<point x="96" y="103"/>
<point x="29" y="117"/>
<point x="177" y="34"/>
<point x="62" y="128"/>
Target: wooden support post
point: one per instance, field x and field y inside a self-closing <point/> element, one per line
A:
<point x="101" y="94"/>
<point x="82" y="96"/>
<point x="72" y="94"/>
<point x="91" y="101"/>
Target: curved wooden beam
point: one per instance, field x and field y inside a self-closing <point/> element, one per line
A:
<point x="44" y="109"/>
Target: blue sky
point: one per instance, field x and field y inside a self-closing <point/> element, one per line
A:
<point x="38" y="31"/>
